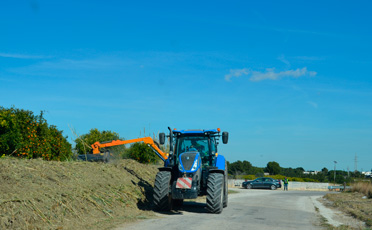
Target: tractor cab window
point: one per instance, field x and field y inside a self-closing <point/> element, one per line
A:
<point x="193" y="143"/>
<point x="213" y="146"/>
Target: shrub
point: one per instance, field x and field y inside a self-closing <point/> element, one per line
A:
<point x="249" y="177"/>
<point x="84" y="142"/>
<point x="26" y="135"/>
<point x="142" y="153"/>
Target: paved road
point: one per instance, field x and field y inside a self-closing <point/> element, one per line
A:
<point x="249" y="209"/>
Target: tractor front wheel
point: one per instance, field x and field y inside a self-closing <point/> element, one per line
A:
<point x="215" y="190"/>
<point x="162" y="197"/>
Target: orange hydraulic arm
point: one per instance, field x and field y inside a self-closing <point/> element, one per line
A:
<point x="147" y="140"/>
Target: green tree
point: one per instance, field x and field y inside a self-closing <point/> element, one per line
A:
<point x="247" y="166"/>
<point x="321" y="177"/>
<point x="273" y="168"/>
<point x="240" y="168"/>
<point x="84" y="142"/>
<point x="26" y="135"/>
<point x="142" y="153"/>
<point x="340" y="179"/>
<point x="258" y="172"/>
<point x="325" y="171"/>
<point x="235" y="168"/>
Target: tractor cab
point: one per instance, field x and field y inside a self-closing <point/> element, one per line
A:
<point x="204" y="145"/>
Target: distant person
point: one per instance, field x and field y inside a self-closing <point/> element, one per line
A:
<point x="285" y="181"/>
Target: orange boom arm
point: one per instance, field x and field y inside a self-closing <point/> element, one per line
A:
<point x="147" y="140"/>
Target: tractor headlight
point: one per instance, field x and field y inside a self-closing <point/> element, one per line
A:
<point x="180" y="167"/>
<point x="195" y="165"/>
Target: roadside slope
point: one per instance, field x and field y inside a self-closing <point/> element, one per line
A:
<point x="37" y="194"/>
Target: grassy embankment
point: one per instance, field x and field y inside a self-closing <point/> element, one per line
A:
<point x="37" y="194"/>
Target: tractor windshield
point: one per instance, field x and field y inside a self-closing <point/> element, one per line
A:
<point x="205" y="145"/>
<point x="193" y="143"/>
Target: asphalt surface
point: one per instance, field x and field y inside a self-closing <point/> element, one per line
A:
<point x="248" y="209"/>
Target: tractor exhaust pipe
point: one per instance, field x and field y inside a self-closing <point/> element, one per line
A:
<point x="170" y="140"/>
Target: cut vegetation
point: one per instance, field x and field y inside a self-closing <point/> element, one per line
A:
<point x="37" y="194"/>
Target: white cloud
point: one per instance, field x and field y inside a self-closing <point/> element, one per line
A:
<point x="22" y="56"/>
<point x="313" y="104"/>
<point x="269" y="74"/>
<point x="309" y="58"/>
<point x="236" y="73"/>
<point x="284" y="60"/>
<point x="74" y="68"/>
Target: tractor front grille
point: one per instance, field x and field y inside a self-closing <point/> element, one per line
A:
<point x="187" y="160"/>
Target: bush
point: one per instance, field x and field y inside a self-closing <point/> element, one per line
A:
<point x="249" y="177"/>
<point x="142" y="153"/>
<point x="84" y="142"/>
<point x="28" y="136"/>
<point x="297" y="179"/>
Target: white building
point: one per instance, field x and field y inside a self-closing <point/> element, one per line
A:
<point x="311" y="172"/>
<point x="367" y="174"/>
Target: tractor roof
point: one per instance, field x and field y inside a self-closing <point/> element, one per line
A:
<point x="197" y="131"/>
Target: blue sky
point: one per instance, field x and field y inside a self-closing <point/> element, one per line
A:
<point x="290" y="81"/>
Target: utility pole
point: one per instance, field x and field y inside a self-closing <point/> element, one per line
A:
<point x="334" y="179"/>
<point x="356" y="163"/>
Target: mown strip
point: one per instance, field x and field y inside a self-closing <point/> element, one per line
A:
<point x="37" y="194"/>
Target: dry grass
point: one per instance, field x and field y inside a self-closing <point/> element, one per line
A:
<point x="36" y="194"/>
<point x="363" y="187"/>
<point x="353" y="203"/>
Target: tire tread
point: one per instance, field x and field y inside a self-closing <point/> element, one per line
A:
<point x="214" y="192"/>
<point x="161" y="191"/>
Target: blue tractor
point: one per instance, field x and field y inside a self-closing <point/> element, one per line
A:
<point x="193" y="168"/>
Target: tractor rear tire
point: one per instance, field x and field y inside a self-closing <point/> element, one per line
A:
<point x="215" y="190"/>
<point x="162" y="197"/>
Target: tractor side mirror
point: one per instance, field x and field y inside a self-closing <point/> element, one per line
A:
<point x="225" y="137"/>
<point x="162" y="138"/>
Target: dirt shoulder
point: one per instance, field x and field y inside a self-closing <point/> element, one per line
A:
<point x="350" y="210"/>
<point x="37" y="194"/>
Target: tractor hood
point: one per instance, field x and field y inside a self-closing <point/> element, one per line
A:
<point x="189" y="161"/>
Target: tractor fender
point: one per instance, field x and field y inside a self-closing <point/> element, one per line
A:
<point x="216" y="171"/>
<point x="165" y="169"/>
<point x="221" y="162"/>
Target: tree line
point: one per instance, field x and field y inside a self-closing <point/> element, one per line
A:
<point x="239" y="168"/>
